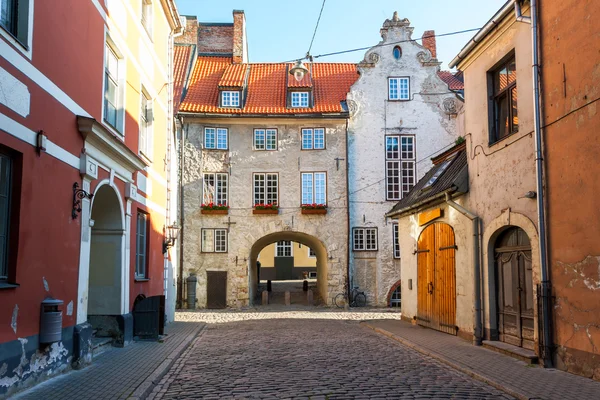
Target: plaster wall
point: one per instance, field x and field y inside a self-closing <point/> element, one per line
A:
<point x="327" y="234"/>
<point x="373" y="117"/>
<point x="300" y="254"/>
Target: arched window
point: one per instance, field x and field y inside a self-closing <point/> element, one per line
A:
<point x="397" y="52"/>
<point x="396" y="299"/>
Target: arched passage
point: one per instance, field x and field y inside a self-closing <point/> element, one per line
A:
<point x="315" y="244"/>
<point x="105" y="293"/>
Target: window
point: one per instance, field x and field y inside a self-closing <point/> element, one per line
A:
<point x="397" y="52"/>
<point x="365" y="239"/>
<point x="141" y="250"/>
<point x="214" y="240"/>
<point x="396" y="240"/>
<point x="265" y="139"/>
<point x="400" y="166"/>
<point x="313" y="139"/>
<point x="399" y="88"/>
<point x="230" y="98"/>
<point x="284" y="248"/>
<point x="266" y="189"/>
<point x="311" y="253"/>
<point x="314" y="188"/>
<point x="215" y="138"/>
<point x="215" y="188"/>
<point x="147" y="16"/>
<point x="299" y="99"/>
<point x="6" y="177"/>
<point x="111" y="87"/>
<point x="396" y="299"/>
<point x="146" y="119"/>
<point x="15" y="19"/>
<point x="504" y="101"/>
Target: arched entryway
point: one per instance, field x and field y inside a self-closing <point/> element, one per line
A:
<point x="299" y="238"/>
<point x="514" y="288"/>
<point x="436" y="278"/>
<point x="106" y="254"/>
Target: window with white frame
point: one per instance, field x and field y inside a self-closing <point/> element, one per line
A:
<point x="311" y="253"/>
<point x="314" y="188"/>
<point x="284" y="248"/>
<point x="364" y="239"/>
<point x="399" y="88"/>
<point x="215" y="188"/>
<point x="141" y="252"/>
<point x="396" y="240"/>
<point x="147" y="16"/>
<point x="112" y="97"/>
<point x="214" y="240"/>
<point x="265" y="139"/>
<point x="14" y="18"/>
<point x="230" y="98"/>
<point x="313" y="138"/>
<point x="299" y="99"/>
<point x="146" y="119"/>
<point x="399" y="165"/>
<point x="215" y="138"/>
<point x="266" y="188"/>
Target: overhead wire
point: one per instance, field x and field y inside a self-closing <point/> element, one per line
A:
<point x="317" y="26"/>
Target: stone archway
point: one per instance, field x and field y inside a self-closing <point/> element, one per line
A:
<point x="299" y="237"/>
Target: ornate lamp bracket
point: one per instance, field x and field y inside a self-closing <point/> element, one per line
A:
<point x="78" y="194"/>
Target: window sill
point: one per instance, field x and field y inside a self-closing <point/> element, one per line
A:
<point x="7" y="285"/>
<point x="492" y="144"/>
<point x="213" y="149"/>
<point x="145" y="157"/>
<point x="314" y="211"/>
<point x="214" y="212"/>
<point x="267" y="211"/>
<point x="142" y="279"/>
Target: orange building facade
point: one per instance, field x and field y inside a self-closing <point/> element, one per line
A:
<point x="85" y="125"/>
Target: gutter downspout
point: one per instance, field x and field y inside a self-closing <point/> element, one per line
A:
<point x="539" y="169"/>
<point x="181" y="225"/>
<point x="477" y="334"/>
<point x="349" y="241"/>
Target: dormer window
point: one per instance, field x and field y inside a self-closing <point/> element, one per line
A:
<point x="300" y="99"/>
<point x="230" y="98"/>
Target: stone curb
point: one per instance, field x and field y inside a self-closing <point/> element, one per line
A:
<point x="447" y="361"/>
<point x="146" y="387"/>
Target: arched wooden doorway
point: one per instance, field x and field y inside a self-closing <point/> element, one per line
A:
<point x="515" y="288"/>
<point x="436" y="278"/>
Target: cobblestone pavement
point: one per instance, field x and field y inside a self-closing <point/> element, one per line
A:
<point x="117" y="373"/>
<point x="310" y="359"/>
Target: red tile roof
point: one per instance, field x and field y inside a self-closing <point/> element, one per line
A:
<point x="234" y="76"/>
<point x="266" y="87"/>
<point x="181" y="67"/>
<point x="453" y="81"/>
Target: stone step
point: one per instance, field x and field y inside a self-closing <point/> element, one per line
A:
<point x="100" y="345"/>
<point x="513" y="351"/>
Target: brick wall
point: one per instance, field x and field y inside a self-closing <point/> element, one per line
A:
<point x="429" y="42"/>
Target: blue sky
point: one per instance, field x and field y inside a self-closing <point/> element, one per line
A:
<point x="278" y="31"/>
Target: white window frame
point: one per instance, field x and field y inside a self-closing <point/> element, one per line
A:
<point x="141" y="245"/>
<point x="119" y="126"/>
<point x="147" y="16"/>
<point x="283" y="247"/>
<point x="23" y="45"/>
<point x="309" y="188"/>
<point x="400" y="166"/>
<point x="218" y="238"/>
<point x="146" y="144"/>
<point x="219" y="140"/>
<point x="311" y="253"/>
<point x="360" y="239"/>
<point x="396" y="240"/>
<point x="396" y="89"/>
<point x="265" y="139"/>
<point x="309" y="140"/>
<point x="219" y="192"/>
<point x="230" y="98"/>
<point x="260" y="192"/>
<point x="300" y="99"/>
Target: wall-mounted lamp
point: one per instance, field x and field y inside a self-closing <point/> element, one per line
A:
<point x="298" y="71"/>
<point x="41" y="142"/>
<point x="171" y="233"/>
<point x="78" y="194"/>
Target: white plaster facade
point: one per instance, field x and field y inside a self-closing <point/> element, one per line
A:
<point x="424" y="116"/>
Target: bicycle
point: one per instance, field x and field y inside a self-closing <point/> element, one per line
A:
<point x="357" y="298"/>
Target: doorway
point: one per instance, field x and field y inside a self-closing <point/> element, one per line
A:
<point x="216" y="289"/>
<point x="436" y="278"/>
<point x="514" y="288"/>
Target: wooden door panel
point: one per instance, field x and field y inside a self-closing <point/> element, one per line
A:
<point x="216" y="289"/>
<point x="424" y="261"/>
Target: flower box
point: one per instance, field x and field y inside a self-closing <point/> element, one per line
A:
<point x="265" y="211"/>
<point x="314" y="211"/>
<point x="215" y="212"/>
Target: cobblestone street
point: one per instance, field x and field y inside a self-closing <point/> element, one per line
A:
<point x="316" y="359"/>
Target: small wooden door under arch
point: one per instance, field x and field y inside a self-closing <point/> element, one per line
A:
<point x="514" y="288"/>
<point x="436" y="278"/>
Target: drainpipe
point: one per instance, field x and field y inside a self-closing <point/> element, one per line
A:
<point x="181" y="227"/>
<point x="349" y="241"/>
<point x="539" y="171"/>
<point x="477" y="334"/>
<point x="519" y="15"/>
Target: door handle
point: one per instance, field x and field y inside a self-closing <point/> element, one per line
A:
<point x="430" y="288"/>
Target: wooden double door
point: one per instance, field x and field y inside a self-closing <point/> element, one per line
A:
<point x="436" y="278"/>
<point x="515" y="288"/>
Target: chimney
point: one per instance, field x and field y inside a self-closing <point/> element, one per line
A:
<point x="240" y="45"/>
<point x="190" y="31"/>
<point x="429" y="42"/>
